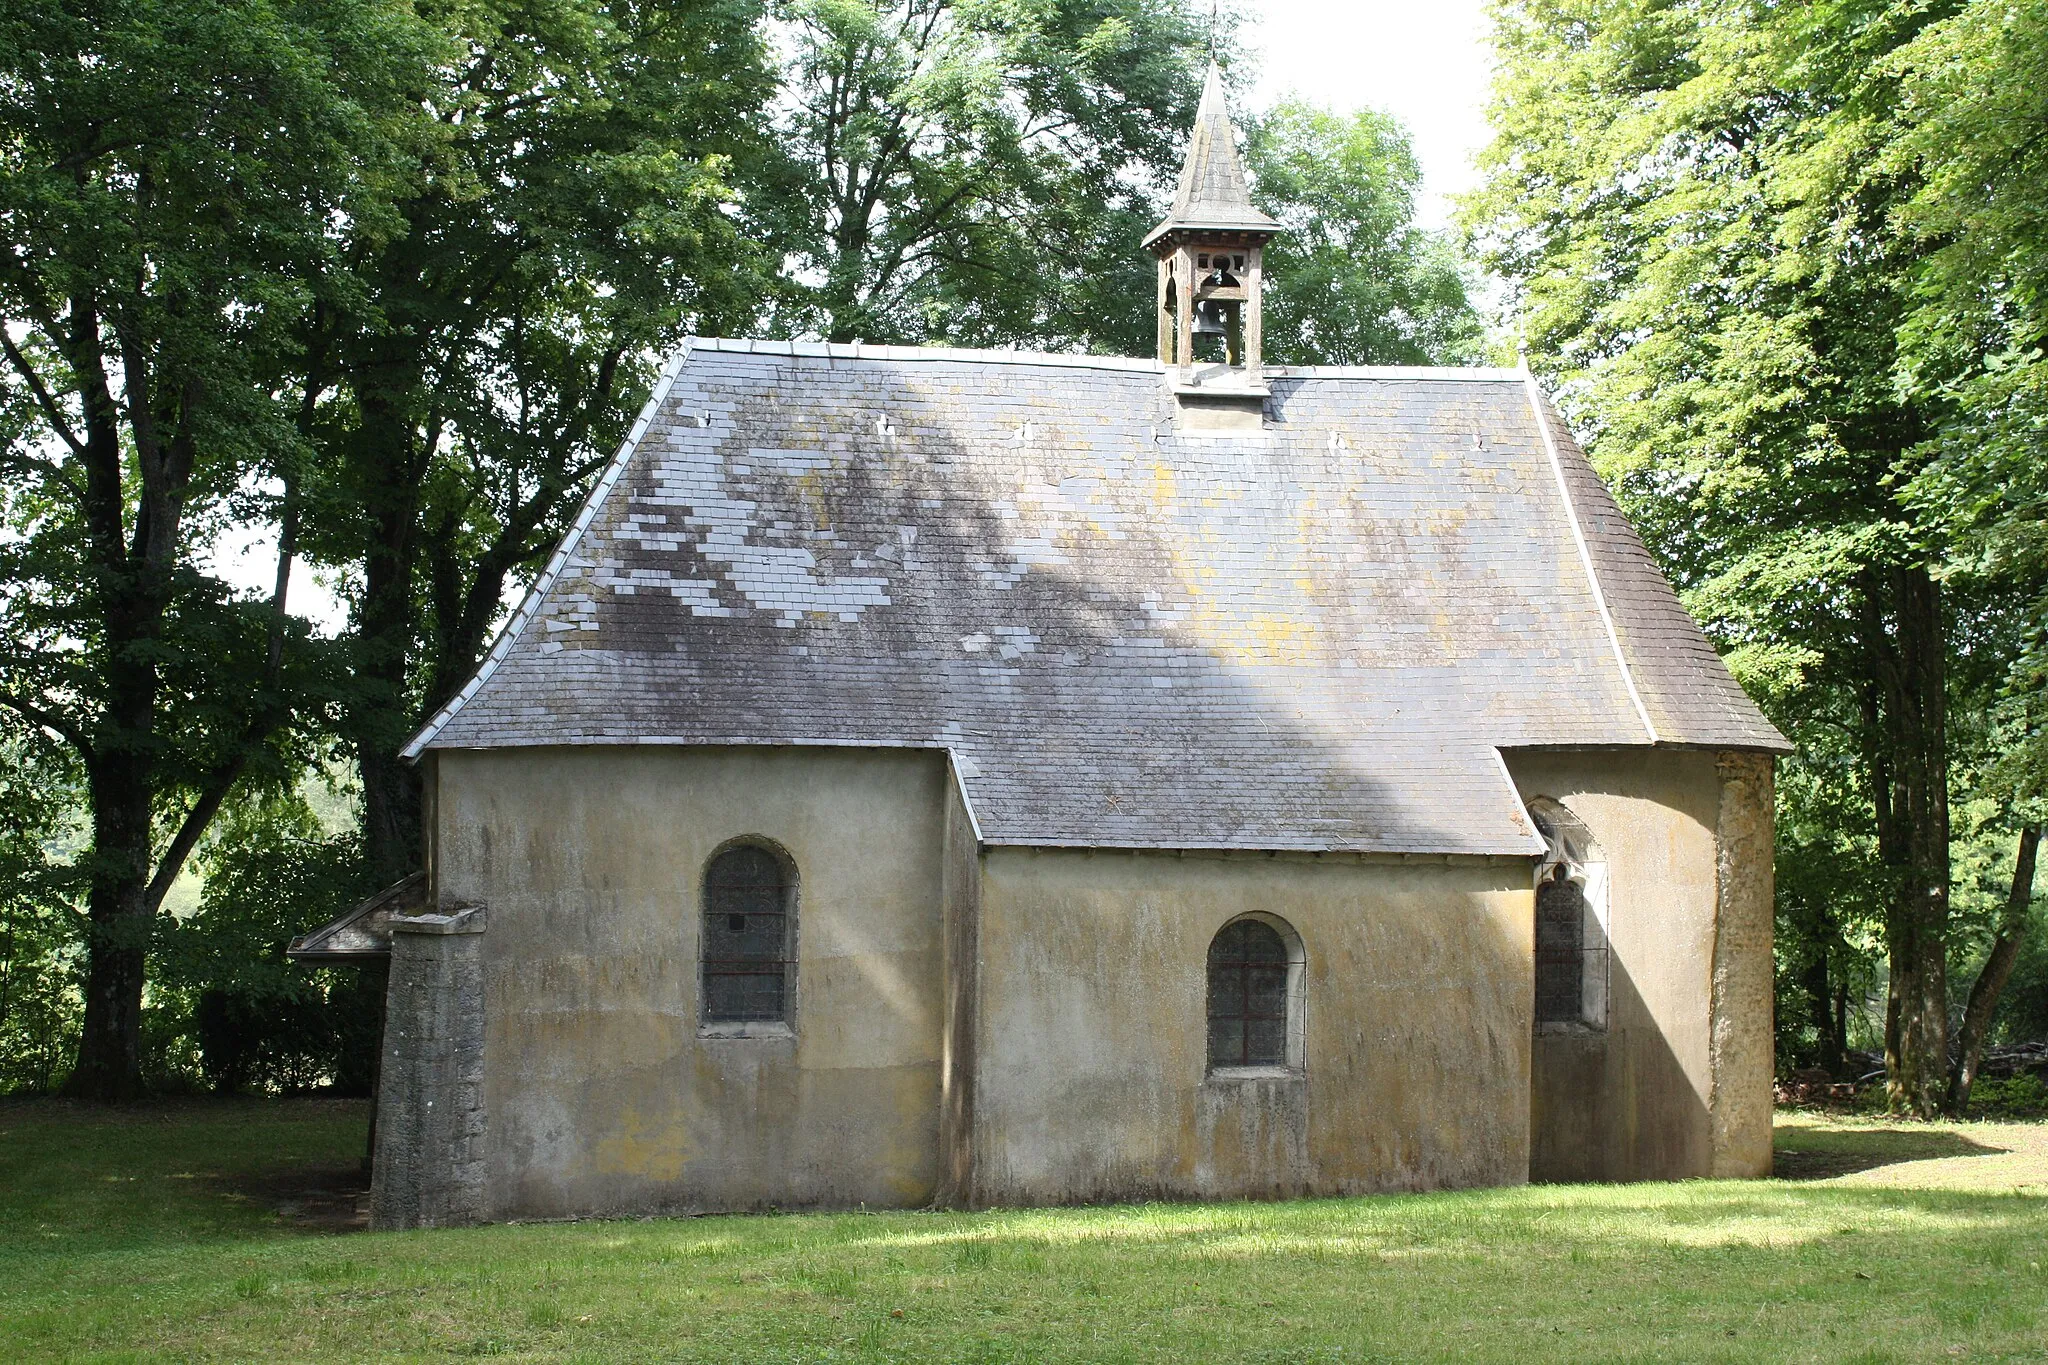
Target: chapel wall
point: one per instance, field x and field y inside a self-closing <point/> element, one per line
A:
<point x="1639" y="1098"/>
<point x="603" y="1095"/>
<point x="1092" y="1078"/>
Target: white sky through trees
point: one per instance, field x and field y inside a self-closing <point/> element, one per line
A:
<point x="1427" y="62"/>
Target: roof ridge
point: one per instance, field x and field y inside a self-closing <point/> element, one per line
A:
<point x="859" y="351"/>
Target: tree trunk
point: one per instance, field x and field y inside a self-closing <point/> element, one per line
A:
<point x="1819" y="1005"/>
<point x="121" y="775"/>
<point x="1911" y="797"/>
<point x="1841" y="1022"/>
<point x="391" y="813"/>
<point x="387" y="622"/>
<point x="120" y="921"/>
<point x="1990" y="984"/>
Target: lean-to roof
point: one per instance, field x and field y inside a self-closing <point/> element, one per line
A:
<point x="1312" y="637"/>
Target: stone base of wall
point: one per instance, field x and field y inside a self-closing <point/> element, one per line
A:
<point x="428" y="1167"/>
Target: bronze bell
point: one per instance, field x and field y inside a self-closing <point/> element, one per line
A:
<point x="1210" y="319"/>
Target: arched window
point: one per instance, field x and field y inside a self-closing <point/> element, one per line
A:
<point x="1571" y="921"/>
<point x="749" y="936"/>
<point x="1255" y="969"/>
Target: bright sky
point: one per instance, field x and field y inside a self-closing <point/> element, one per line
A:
<point x="1424" y="61"/>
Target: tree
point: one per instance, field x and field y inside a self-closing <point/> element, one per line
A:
<point x="1692" y="202"/>
<point x="40" y="802"/>
<point x="271" y="871"/>
<point x="1972" y="131"/>
<point x="1352" y="280"/>
<point x="569" y="213"/>
<point x="171" y="178"/>
<point x="981" y="171"/>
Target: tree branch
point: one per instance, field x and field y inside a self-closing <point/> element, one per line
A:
<point x="51" y="721"/>
<point x="1997" y="970"/>
<point x="193" y="827"/>
<point x="45" y="468"/>
<point x="51" y="412"/>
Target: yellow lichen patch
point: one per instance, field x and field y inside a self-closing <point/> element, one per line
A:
<point x="1163" y="484"/>
<point x="651" y="1148"/>
<point x="1259" y="638"/>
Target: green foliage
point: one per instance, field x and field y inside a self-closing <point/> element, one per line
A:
<point x="2023" y="1012"/>
<point x="1831" y="898"/>
<point x="1352" y="280"/>
<point x="980" y="171"/>
<point x="224" y="993"/>
<point x="1740" y="238"/>
<point x="172" y="177"/>
<point x="2014" y="1097"/>
<point x="572" y="208"/>
<point x="41" y="925"/>
<point x="1973" y="130"/>
<point x="169" y="177"/>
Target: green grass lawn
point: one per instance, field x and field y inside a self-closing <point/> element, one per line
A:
<point x="206" y="1231"/>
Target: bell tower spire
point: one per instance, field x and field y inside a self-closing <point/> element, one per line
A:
<point x="1210" y="250"/>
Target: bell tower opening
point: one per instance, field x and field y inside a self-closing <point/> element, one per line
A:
<point x="1211" y="252"/>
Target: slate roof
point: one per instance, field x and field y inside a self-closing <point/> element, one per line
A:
<point x="1213" y="192"/>
<point x="1311" y="637"/>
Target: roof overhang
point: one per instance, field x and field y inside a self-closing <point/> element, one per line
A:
<point x="1172" y="232"/>
<point x="363" y="933"/>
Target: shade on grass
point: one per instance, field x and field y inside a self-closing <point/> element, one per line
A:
<point x="155" y="1234"/>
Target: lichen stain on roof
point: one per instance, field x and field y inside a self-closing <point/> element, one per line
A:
<point x="1313" y="637"/>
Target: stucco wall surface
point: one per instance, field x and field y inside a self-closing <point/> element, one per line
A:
<point x="1090" y="1082"/>
<point x="1631" y="1102"/>
<point x="602" y="1092"/>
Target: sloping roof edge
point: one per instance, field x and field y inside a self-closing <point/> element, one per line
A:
<point x="361" y="933"/>
<point x="1678" y="680"/>
<point x="1571" y="513"/>
<point x="521" y="618"/>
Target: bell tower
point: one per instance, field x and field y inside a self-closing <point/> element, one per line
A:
<point x="1210" y="251"/>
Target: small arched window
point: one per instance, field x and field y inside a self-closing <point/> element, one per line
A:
<point x="1253" y="979"/>
<point x="1571" y="921"/>
<point x="749" y="936"/>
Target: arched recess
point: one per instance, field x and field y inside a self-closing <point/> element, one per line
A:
<point x="1572" y="950"/>
<point x="1255" y="994"/>
<point x="747" y="946"/>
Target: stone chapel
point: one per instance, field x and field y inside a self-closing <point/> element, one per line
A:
<point x="973" y="778"/>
